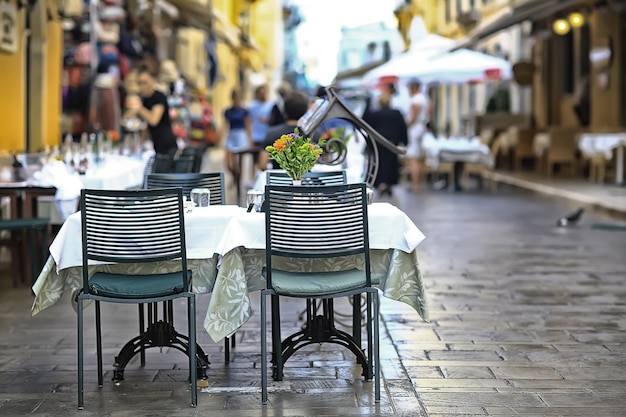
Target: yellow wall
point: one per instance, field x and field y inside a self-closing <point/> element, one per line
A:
<point x="53" y="69"/>
<point x="266" y="33"/>
<point x="12" y="85"/>
<point x="228" y="63"/>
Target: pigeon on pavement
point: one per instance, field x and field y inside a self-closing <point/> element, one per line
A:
<point x="571" y="218"/>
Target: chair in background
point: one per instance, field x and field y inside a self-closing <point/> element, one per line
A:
<point x="317" y="223"/>
<point x="309" y="178"/>
<point x="523" y="149"/>
<point x="197" y="157"/>
<point x="31" y="226"/>
<point x="164" y="162"/>
<point x="185" y="161"/>
<point x="214" y="181"/>
<point x="562" y="149"/>
<point x="121" y="227"/>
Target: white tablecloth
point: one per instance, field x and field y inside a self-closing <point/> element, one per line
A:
<point x="204" y="231"/>
<point x="593" y="144"/>
<point x="117" y="172"/>
<point x="456" y="150"/>
<point x="220" y="229"/>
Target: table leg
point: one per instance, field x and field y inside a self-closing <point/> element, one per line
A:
<point x="158" y="333"/>
<point x="318" y="329"/>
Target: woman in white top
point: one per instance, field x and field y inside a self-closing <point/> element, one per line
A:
<point x="416" y="120"/>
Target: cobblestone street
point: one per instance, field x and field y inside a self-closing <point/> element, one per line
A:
<point x="526" y="319"/>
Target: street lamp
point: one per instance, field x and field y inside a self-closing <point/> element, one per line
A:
<point x="576" y="19"/>
<point x="561" y="27"/>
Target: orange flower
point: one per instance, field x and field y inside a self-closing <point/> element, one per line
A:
<point x="114" y="135"/>
<point x="280" y="144"/>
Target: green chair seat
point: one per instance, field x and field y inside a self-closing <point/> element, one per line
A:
<point x="136" y="286"/>
<point x="315" y="284"/>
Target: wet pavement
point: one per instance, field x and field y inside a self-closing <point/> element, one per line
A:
<point x="526" y="319"/>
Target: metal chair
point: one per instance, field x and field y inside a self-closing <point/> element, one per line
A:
<point x="164" y="162"/>
<point x="214" y="181"/>
<point x="317" y="222"/>
<point x="310" y="178"/>
<point x="185" y="161"/>
<point x="31" y="226"/>
<point x="137" y="226"/>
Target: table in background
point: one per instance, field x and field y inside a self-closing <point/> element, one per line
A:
<point x="602" y="144"/>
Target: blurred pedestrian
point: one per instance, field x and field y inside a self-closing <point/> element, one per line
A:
<point x="277" y="114"/>
<point x="416" y="120"/>
<point x="259" y="110"/>
<point x="390" y="124"/>
<point x="238" y="124"/>
<point x="295" y="105"/>
<point x="154" y="109"/>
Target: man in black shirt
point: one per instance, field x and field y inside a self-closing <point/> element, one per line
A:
<point x="155" y="111"/>
<point x="296" y="104"/>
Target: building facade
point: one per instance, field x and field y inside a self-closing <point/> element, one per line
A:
<point x="566" y="48"/>
<point x="247" y="35"/>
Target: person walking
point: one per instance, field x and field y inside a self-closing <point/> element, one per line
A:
<point x="238" y="124"/>
<point x="154" y="110"/>
<point x="391" y="125"/>
<point x="259" y="109"/>
<point x="416" y="120"/>
<point x="277" y="114"/>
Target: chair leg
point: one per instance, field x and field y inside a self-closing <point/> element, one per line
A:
<point x="370" y="339"/>
<point x="356" y="319"/>
<point x="263" y="349"/>
<point x="142" y="330"/>
<point x="376" y="346"/>
<point x="192" y="350"/>
<point x="277" y="350"/>
<point x="226" y="350"/>
<point x="99" y="344"/>
<point x="81" y="399"/>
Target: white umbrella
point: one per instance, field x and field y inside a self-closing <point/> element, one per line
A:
<point x="402" y="66"/>
<point x="462" y="66"/>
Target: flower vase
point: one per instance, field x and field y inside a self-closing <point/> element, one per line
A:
<point x="296" y="183"/>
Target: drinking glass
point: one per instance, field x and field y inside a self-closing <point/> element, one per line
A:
<point x="254" y="200"/>
<point x="201" y="197"/>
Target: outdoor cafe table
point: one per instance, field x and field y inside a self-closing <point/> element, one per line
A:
<point x="225" y="251"/>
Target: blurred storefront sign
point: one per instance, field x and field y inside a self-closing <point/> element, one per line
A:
<point x="9" y="36"/>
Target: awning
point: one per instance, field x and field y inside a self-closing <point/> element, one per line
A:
<point x="194" y="14"/>
<point x="532" y="10"/>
